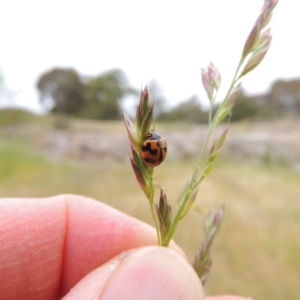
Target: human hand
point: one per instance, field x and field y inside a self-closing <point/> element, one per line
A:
<point x="77" y="248"/>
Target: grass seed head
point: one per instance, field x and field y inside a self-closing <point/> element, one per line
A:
<point x="206" y="84"/>
<point x="164" y="214"/>
<point x="202" y="261"/>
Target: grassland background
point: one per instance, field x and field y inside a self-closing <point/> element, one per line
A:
<point x="257" y="252"/>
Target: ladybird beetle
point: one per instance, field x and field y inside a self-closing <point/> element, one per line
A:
<point x="154" y="149"/>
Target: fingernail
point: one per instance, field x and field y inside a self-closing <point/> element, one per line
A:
<point x="153" y="273"/>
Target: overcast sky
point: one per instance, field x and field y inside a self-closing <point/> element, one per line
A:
<point x="159" y="39"/>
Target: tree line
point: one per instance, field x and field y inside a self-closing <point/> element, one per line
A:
<point x="64" y="91"/>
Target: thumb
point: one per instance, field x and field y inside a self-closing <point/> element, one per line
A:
<point x="144" y="273"/>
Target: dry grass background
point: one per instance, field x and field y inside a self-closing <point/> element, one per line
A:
<point x="257" y="252"/>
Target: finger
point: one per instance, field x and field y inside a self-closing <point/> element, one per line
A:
<point x="145" y="273"/>
<point x="48" y="245"/>
<point x="227" y="297"/>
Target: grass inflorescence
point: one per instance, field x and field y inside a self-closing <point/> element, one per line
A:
<point x="165" y="217"/>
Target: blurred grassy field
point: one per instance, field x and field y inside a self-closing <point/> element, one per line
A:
<point x="257" y="252"/>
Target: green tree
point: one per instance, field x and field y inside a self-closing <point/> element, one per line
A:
<point x="6" y="94"/>
<point x="156" y="94"/>
<point x="103" y="93"/>
<point x="63" y="90"/>
<point x="244" y="107"/>
<point x="187" y="111"/>
<point x="284" y="97"/>
<point x="2" y="84"/>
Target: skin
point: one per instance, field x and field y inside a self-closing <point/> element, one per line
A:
<point x="78" y="248"/>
